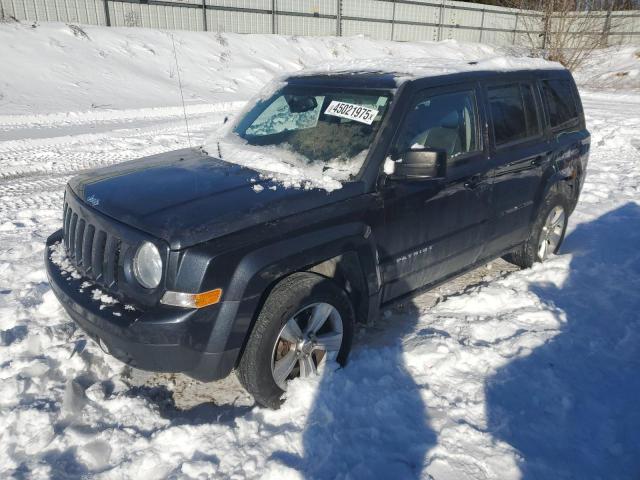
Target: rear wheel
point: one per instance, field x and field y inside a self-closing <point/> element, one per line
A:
<point x="547" y="233"/>
<point x="552" y="232"/>
<point x="306" y="321"/>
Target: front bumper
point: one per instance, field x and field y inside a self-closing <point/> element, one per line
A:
<point x="159" y="339"/>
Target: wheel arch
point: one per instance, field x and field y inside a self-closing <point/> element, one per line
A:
<point x="347" y="271"/>
<point x="565" y="180"/>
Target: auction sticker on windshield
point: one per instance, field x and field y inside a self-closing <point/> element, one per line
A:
<point x="353" y="112"/>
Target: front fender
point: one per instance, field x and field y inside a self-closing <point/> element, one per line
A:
<point x="259" y="270"/>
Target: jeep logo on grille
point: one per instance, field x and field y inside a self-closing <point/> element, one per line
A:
<point x="93" y="201"/>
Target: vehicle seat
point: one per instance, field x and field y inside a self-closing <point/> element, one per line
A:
<point x="445" y="136"/>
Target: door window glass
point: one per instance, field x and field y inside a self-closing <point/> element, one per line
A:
<point x="514" y="113"/>
<point x="442" y="122"/>
<point x="560" y="101"/>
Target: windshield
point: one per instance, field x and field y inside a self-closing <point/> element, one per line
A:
<point x="307" y="129"/>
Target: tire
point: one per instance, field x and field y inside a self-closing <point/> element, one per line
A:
<point x="529" y="253"/>
<point x="299" y="298"/>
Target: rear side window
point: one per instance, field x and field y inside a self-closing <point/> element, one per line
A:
<point x="514" y="113"/>
<point x="561" y="103"/>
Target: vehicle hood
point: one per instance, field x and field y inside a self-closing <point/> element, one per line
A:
<point x="186" y="197"/>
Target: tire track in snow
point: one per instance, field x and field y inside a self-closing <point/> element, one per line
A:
<point x="96" y="116"/>
<point x="26" y="183"/>
<point x="69" y="154"/>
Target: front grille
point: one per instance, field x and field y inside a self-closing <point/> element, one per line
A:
<point x="94" y="252"/>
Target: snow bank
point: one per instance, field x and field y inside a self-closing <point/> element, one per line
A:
<point x="53" y="68"/>
<point x="611" y="68"/>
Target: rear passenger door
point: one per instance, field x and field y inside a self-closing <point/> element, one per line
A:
<point x="520" y="152"/>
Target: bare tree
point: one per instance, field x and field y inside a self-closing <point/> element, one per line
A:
<point x="571" y="33"/>
<point x="566" y="31"/>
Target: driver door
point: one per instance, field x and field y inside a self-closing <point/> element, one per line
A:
<point x="435" y="227"/>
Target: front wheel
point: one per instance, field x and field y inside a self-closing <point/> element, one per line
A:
<point x="306" y="321"/>
<point x="547" y="233"/>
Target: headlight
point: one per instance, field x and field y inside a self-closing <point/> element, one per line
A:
<point x="147" y="265"/>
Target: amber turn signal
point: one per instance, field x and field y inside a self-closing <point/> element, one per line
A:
<point x="192" y="300"/>
<point x="208" y="298"/>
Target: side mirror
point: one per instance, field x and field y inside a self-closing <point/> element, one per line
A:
<point x="421" y="164"/>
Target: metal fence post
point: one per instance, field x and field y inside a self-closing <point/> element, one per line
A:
<point x="440" y="20"/>
<point x="107" y="17"/>
<point x="545" y="31"/>
<point x="607" y="30"/>
<point x="273" y="16"/>
<point x="204" y="15"/>
<point x="515" y="27"/>
<point x="393" y="19"/>
<point x="481" y="26"/>
<point x="339" y="18"/>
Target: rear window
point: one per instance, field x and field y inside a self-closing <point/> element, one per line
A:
<point x="561" y="103"/>
<point x="514" y="113"/>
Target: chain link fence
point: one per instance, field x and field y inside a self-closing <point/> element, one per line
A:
<point x="402" y="20"/>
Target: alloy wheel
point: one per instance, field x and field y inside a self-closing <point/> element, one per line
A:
<point x="306" y="341"/>
<point x="551" y="232"/>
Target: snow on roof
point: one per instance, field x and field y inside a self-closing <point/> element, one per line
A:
<point x="404" y="69"/>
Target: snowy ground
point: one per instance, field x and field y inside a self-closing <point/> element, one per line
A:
<point x="501" y="374"/>
<point x="613" y="67"/>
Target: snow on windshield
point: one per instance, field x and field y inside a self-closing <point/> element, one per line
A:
<point x="303" y="138"/>
<point x="286" y="167"/>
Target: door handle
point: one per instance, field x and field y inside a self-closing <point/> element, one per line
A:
<point x="539" y="160"/>
<point x="472" y="182"/>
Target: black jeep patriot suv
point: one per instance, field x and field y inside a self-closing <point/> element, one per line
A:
<point x="194" y="262"/>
